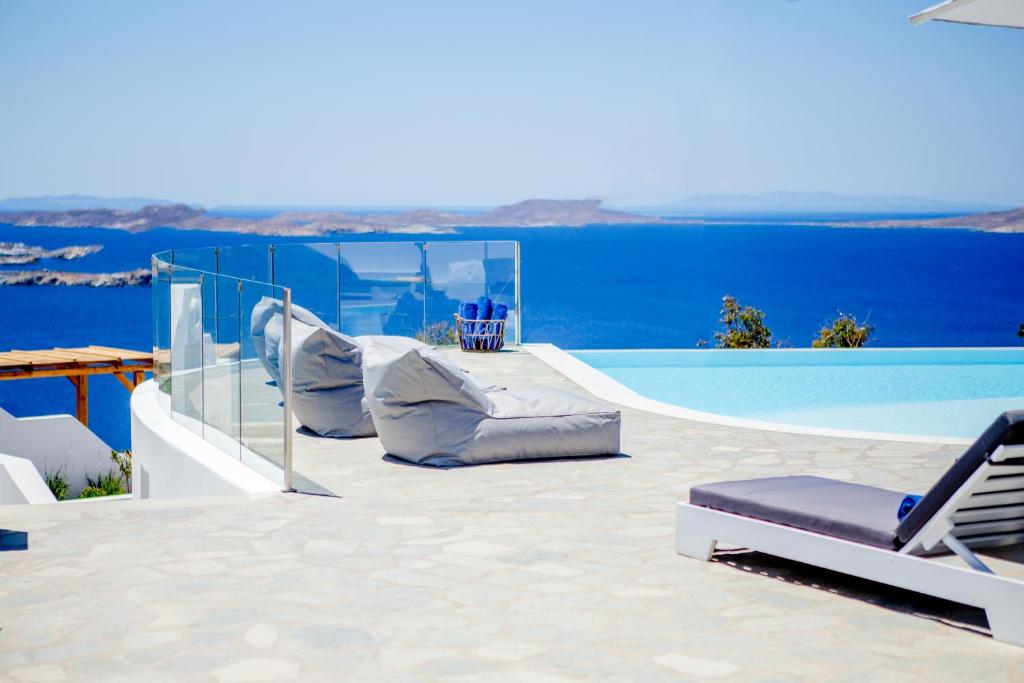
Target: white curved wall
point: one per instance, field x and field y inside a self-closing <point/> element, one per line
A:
<point x="169" y="460"/>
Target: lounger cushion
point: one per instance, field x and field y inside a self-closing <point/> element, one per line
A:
<point x="1008" y="429"/>
<point x="266" y="331"/>
<point x="862" y="514"/>
<point x="429" y="411"/>
<point x="327" y="379"/>
<point x="327" y="382"/>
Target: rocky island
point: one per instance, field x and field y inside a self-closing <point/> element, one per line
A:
<point x="20" y="254"/>
<point x="526" y="214"/>
<point x="130" y="278"/>
<point x="1011" y="221"/>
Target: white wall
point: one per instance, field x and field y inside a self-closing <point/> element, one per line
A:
<point x="52" y="441"/>
<point x="170" y="461"/>
<point x="21" y="483"/>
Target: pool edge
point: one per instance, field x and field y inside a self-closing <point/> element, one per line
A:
<point x="604" y="387"/>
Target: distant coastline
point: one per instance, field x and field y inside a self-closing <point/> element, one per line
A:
<point x="531" y="213"/>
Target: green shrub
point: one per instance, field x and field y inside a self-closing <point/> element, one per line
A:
<point x="843" y="333"/>
<point x="57" y="482"/>
<point x="744" y="327"/>
<point x="105" y="484"/>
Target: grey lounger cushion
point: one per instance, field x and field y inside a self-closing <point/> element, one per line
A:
<point x="327" y="382"/>
<point x="266" y="332"/>
<point x="327" y="379"/>
<point x="863" y="514"/>
<point x="327" y="375"/>
<point x="429" y="411"/>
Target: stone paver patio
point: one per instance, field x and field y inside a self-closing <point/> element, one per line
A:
<point x="547" y="571"/>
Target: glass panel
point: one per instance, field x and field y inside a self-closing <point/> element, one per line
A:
<point x="261" y="409"/>
<point x="465" y="271"/>
<point x="221" y="381"/>
<point x="311" y="271"/>
<point x="248" y="262"/>
<point x="381" y="288"/>
<point x="201" y="258"/>
<point x="162" y="333"/>
<point x="187" y="347"/>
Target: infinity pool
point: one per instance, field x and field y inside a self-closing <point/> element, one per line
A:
<point x="928" y="392"/>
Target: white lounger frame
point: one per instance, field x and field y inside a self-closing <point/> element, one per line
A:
<point x="962" y="523"/>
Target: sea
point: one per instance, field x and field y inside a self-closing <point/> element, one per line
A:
<point x="598" y="287"/>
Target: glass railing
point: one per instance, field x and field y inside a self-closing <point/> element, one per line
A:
<point x="207" y="365"/>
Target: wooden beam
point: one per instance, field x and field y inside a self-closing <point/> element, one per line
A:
<point x="123" y="354"/>
<point x="73" y="371"/>
<point x="138" y="377"/>
<point x="124" y="380"/>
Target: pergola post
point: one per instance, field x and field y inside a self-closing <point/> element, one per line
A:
<point x="81" y="383"/>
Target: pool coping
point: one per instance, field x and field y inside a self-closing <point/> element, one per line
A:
<point x="604" y="387"/>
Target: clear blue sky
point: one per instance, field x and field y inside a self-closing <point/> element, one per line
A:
<point x="480" y="103"/>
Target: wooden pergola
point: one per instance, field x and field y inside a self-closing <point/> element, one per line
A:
<point x="129" y="367"/>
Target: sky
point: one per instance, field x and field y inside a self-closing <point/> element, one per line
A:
<point x="438" y="103"/>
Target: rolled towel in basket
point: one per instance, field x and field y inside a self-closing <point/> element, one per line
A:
<point x="484" y="307"/>
<point x="500" y="312"/>
<point x="467" y="311"/>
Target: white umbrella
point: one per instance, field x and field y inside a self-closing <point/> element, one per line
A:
<point x="1009" y="13"/>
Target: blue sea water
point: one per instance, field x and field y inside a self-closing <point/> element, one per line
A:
<point x="598" y="287"/>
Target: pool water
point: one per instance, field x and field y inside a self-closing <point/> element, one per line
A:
<point x="928" y="392"/>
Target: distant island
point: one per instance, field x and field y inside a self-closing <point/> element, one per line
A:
<point x="989" y="221"/>
<point x="20" y="254"/>
<point x="130" y="278"/>
<point x="531" y="213"/>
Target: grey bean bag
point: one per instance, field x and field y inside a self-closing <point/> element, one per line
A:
<point x="266" y="331"/>
<point x="327" y="375"/>
<point x="429" y="411"/>
<point x="327" y="382"/>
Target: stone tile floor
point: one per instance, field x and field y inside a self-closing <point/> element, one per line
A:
<point x="546" y="571"/>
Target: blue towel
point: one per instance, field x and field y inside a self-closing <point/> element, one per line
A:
<point x="906" y="505"/>
<point x="500" y="312"/>
<point x="467" y="311"/>
<point x="484" y="306"/>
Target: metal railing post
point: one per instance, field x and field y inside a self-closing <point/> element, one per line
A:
<point x="286" y="377"/>
<point x="337" y="288"/>
<point x="519" y="300"/>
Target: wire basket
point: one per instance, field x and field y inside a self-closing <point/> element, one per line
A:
<point x="481" y="336"/>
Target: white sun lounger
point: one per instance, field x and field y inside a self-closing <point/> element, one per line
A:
<point x="853" y="529"/>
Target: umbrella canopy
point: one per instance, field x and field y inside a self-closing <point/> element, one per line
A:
<point x="1009" y="13"/>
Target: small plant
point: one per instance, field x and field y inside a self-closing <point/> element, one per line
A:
<point x="438" y="334"/>
<point x="744" y="327"/>
<point x="843" y="333"/>
<point x="57" y="482"/>
<point x="123" y="460"/>
<point x="105" y="484"/>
